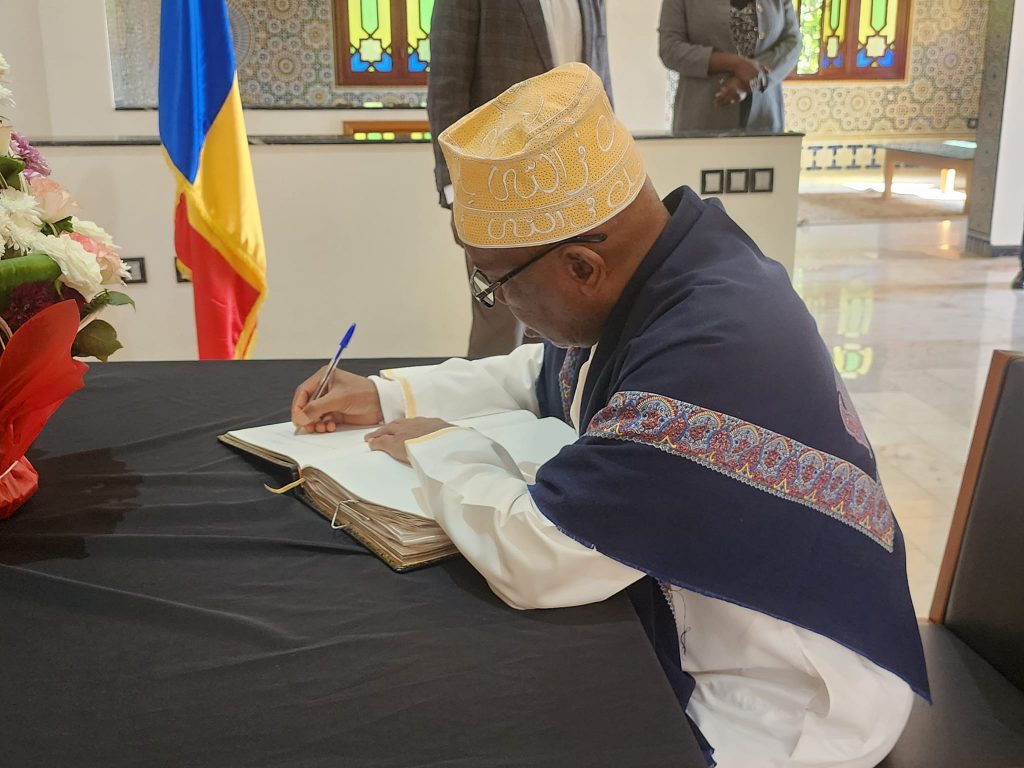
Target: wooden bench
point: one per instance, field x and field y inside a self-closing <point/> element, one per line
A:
<point x="950" y="158"/>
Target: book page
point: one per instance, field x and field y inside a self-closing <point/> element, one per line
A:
<point x="532" y="443"/>
<point x="307" y="449"/>
<point x="304" y="449"/>
<point x="375" y="477"/>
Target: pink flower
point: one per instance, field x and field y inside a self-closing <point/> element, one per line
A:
<point x="111" y="267"/>
<point x="55" y="202"/>
<point x="35" y="165"/>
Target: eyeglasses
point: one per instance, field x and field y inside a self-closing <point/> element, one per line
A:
<point x="483" y="289"/>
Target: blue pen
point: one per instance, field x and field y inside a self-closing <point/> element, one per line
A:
<point x="330" y="368"/>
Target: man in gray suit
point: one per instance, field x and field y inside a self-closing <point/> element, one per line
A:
<point x="480" y="48"/>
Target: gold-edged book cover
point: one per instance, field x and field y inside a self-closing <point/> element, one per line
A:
<point x="376" y="499"/>
<point x="402" y="541"/>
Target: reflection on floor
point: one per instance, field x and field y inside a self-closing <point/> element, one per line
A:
<point x="830" y="197"/>
<point x="912" y="323"/>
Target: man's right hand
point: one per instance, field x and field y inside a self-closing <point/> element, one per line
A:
<point x="349" y="399"/>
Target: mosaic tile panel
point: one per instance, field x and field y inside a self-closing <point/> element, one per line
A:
<point x="133" y="29"/>
<point x="284" y="50"/>
<point x="940" y="94"/>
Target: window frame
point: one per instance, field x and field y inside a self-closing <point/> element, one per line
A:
<point x="849" y="72"/>
<point x="400" y="76"/>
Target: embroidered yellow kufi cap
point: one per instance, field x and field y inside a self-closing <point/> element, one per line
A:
<point x="542" y="162"/>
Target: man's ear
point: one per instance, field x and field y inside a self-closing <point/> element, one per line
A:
<point x="586" y="267"/>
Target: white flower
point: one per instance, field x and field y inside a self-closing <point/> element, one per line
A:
<point x="93" y="231"/>
<point x="19" y="219"/>
<point x="4" y="66"/>
<point x="13" y="236"/>
<point x="6" y="98"/>
<point x="123" y="273"/>
<point x="22" y="208"/>
<point x="78" y="267"/>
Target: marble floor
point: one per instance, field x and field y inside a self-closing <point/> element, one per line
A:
<point x="912" y="322"/>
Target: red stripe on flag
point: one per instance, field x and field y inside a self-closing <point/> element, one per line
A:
<point x="222" y="298"/>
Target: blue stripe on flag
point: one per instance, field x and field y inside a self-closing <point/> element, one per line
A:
<point x="197" y="69"/>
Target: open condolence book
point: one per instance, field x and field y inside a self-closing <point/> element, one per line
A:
<point x="372" y="496"/>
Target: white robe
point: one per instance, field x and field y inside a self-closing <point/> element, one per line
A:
<point x="768" y="693"/>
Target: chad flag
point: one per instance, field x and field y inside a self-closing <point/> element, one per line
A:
<point x="217" y="232"/>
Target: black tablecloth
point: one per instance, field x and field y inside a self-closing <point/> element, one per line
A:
<point x="159" y="608"/>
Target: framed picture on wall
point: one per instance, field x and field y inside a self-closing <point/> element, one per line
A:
<point x="137" y="269"/>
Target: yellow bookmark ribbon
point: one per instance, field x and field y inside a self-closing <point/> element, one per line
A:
<point x="285" y="488"/>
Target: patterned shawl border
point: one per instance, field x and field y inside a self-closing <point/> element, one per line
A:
<point x="666" y="425"/>
<point x="567" y="378"/>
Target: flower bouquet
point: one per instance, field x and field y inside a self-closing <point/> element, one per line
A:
<point x="37" y="372"/>
<point x="57" y="272"/>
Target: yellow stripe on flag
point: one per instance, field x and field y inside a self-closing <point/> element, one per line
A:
<point x="222" y="205"/>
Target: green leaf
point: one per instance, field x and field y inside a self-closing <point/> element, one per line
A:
<point x="33" y="268"/>
<point x="98" y="339"/>
<point x="103" y="298"/>
<point x="118" y="299"/>
<point x="10" y="168"/>
<point x="64" y="225"/>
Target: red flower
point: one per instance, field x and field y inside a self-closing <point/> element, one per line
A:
<point x="28" y="299"/>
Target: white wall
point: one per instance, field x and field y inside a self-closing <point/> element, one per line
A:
<point x="639" y="79"/>
<point x="1008" y="203"/>
<point x="346" y="243"/>
<point x="21" y="44"/>
<point x="64" y="81"/>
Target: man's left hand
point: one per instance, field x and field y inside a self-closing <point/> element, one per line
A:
<point x="391" y="437"/>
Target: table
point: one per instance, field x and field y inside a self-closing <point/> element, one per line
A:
<point x="159" y="608"/>
<point x="945" y="156"/>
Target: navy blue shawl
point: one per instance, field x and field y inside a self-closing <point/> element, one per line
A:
<point x="722" y="453"/>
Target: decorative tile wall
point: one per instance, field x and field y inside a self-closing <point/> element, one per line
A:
<point x="284" y="50"/>
<point x="133" y="29"/>
<point x="939" y="96"/>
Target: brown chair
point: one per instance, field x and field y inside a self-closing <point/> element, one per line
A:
<point x="974" y="637"/>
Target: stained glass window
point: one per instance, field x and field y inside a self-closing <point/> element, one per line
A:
<point x="852" y="39"/>
<point x="417" y="20"/>
<point x="383" y="42"/>
<point x="876" y="46"/>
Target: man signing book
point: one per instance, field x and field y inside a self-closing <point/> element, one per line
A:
<point x="722" y="477"/>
